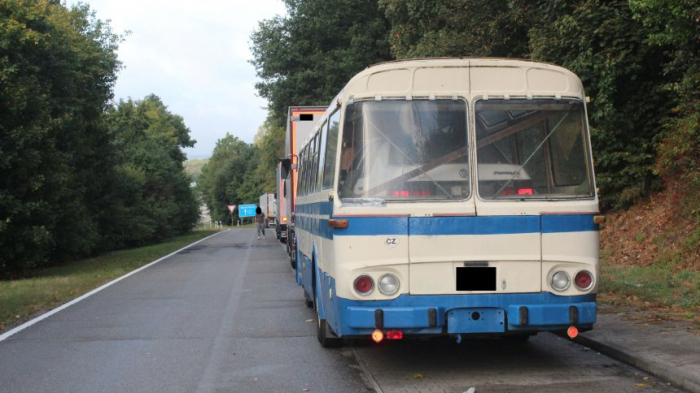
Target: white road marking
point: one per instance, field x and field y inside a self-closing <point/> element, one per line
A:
<point x="94" y="291"/>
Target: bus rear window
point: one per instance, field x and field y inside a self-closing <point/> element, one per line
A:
<point x="405" y="150"/>
<point x="537" y="149"/>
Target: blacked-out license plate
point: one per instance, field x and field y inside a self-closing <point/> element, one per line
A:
<point x="476" y="278"/>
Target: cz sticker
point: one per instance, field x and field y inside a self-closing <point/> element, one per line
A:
<point x="391" y="242"/>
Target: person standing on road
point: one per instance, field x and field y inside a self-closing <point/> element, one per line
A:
<point x="260" y="219"/>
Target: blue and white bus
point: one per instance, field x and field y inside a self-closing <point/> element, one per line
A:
<point x="450" y="197"/>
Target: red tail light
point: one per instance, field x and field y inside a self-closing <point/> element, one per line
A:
<point x="394" y="335"/>
<point x="524" y="191"/>
<point x="583" y="280"/>
<point x="364" y="285"/>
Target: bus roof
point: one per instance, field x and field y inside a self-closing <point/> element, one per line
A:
<point x="465" y="77"/>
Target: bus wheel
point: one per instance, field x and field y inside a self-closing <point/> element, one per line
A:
<point x="307" y="300"/>
<point x="324" y="335"/>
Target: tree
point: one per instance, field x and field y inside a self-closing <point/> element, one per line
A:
<point x="603" y="43"/>
<point x="421" y="28"/>
<point x="224" y="180"/>
<point x="57" y="68"/>
<point x="153" y="197"/>
<point x="269" y="142"/>
<point x="672" y="25"/>
<point x="308" y="56"/>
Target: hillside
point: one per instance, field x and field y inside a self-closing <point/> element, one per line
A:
<point x="650" y="260"/>
<point x="194" y="167"/>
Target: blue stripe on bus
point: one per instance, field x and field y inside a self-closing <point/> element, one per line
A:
<point x="486" y="225"/>
<point x="435" y="226"/>
<point x="568" y="223"/>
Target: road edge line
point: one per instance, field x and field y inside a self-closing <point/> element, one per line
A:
<point x="47" y="314"/>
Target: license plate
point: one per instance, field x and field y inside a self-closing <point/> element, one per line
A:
<point x="476" y="278"/>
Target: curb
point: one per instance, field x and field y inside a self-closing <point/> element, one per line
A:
<point x="668" y="373"/>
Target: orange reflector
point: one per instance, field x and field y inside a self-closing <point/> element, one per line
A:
<point x="599" y="220"/>
<point x="338" y="223"/>
<point x="572" y="332"/>
<point x="394" y="335"/>
<point x="377" y="336"/>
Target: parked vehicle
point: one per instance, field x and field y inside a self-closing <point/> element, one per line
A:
<point x="269" y="208"/>
<point x="450" y="197"/>
<point x="300" y="121"/>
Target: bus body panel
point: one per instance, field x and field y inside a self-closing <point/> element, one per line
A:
<point x="426" y="243"/>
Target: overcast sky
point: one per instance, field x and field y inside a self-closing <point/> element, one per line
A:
<point x="194" y="56"/>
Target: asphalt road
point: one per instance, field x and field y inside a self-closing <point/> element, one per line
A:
<point x="226" y="315"/>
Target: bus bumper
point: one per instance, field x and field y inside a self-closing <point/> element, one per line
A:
<point x="467" y="314"/>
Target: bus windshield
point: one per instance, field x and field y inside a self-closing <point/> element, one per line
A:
<point x="532" y="149"/>
<point x="405" y="150"/>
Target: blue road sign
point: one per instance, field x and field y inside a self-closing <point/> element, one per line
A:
<point x="246" y="210"/>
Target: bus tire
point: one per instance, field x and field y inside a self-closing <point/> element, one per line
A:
<point x="325" y="336"/>
<point x="307" y="300"/>
<point x="323" y="333"/>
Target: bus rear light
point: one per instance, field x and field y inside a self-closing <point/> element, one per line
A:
<point x="394" y="335"/>
<point x="572" y="332"/>
<point x="364" y="285"/>
<point x="388" y="284"/>
<point x="377" y="336"/>
<point x="525" y="191"/>
<point x="583" y="280"/>
<point x="284" y="219"/>
<point x="560" y="281"/>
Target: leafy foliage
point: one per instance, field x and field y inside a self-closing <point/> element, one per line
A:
<point x="155" y="200"/>
<point x="306" y="57"/>
<point x="679" y="150"/>
<point x="57" y="68"/>
<point x="73" y="179"/>
<point x="604" y="42"/>
<point x="226" y="178"/>
<point x="455" y="28"/>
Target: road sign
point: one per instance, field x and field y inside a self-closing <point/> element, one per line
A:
<point x="246" y="210"/>
<point x="231" y="208"/>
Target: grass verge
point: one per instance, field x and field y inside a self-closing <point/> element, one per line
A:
<point x="663" y="290"/>
<point x="48" y="288"/>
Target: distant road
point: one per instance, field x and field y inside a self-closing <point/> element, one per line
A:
<point x="226" y="315"/>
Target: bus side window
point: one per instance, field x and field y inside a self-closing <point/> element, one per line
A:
<point x="331" y="148"/>
<point x="351" y="163"/>
<point x="323" y="134"/>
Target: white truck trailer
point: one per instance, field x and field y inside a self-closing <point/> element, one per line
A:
<point x="269" y="208"/>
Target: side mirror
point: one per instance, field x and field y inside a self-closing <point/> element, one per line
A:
<point x="286" y="165"/>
